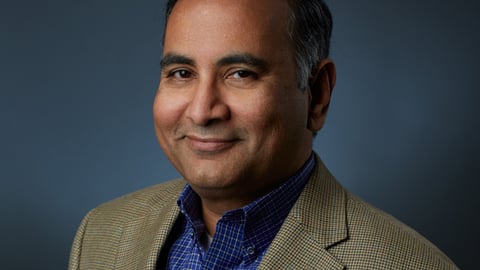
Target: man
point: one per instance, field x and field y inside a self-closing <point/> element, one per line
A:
<point x="245" y="86"/>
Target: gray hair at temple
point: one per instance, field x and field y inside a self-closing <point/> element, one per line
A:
<point x="309" y="27"/>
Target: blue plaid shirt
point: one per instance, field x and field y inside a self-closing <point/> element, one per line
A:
<point x="242" y="236"/>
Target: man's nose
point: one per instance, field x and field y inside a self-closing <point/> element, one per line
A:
<point x="207" y="105"/>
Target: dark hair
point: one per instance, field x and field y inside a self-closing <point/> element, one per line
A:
<point x="309" y="27"/>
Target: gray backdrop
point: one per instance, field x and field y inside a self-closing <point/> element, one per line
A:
<point x="77" y="80"/>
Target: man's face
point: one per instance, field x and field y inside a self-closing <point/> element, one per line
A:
<point x="228" y="113"/>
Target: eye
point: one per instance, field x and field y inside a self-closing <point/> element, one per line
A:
<point x="242" y="78"/>
<point x="181" y="74"/>
<point x="242" y="74"/>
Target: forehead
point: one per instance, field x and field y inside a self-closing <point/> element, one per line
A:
<point x="210" y="24"/>
<point x="264" y="7"/>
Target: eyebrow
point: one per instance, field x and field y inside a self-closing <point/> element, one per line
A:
<point x="238" y="58"/>
<point x="243" y="58"/>
<point x="172" y="59"/>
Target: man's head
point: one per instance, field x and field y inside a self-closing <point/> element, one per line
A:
<point x="309" y="28"/>
<point x="229" y="112"/>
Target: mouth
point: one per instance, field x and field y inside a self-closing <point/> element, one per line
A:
<point x="209" y="146"/>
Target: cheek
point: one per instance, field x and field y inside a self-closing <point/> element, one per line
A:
<point x="262" y="118"/>
<point x="282" y="120"/>
<point x="167" y="110"/>
<point x="278" y="111"/>
<point x="253" y="112"/>
<point x="167" y="113"/>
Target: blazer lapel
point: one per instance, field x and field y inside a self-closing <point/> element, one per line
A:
<point x="144" y="236"/>
<point x="294" y="248"/>
<point x="316" y="222"/>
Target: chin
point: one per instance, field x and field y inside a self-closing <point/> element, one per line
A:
<point x="209" y="182"/>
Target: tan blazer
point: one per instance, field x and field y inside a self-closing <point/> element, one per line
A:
<point x="328" y="228"/>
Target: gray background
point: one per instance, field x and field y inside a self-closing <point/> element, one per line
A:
<point x="77" y="80"/>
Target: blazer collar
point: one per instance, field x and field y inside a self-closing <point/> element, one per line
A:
<point x="316" y="222"/>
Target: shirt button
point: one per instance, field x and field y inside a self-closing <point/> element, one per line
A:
<point x="250" y="250"/>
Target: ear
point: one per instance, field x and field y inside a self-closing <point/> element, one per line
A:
<point x="320" y="91"/>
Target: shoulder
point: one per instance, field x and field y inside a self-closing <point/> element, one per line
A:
<point x="360" y="235"/>
<point x="372" y="231"/>
<point x="128" y="222"/>
<point x="139" y="202"/>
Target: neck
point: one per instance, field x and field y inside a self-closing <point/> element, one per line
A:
<point x="215" y="203"/>
<point x="212" y="211"/>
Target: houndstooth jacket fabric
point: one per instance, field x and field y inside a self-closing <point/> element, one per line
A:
<point x="328" y="228"/>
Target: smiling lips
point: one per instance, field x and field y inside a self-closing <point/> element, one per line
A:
<point x="209" y="145"/>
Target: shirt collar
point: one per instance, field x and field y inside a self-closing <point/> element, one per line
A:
<point x="262" y="218"/>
